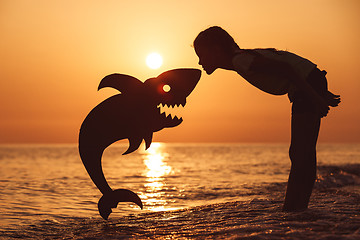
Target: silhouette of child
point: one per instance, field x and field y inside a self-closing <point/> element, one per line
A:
<point x="278" y="72"/>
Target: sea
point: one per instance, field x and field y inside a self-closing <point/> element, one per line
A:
<point x="189" y="191"/>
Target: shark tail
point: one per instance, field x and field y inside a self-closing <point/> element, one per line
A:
<point x="111" y="200"/>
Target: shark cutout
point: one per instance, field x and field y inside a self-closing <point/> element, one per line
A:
<point x="134" y="115"/>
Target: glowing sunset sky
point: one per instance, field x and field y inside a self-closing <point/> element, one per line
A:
<point x="54" y="53"/>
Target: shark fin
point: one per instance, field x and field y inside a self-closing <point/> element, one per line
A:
<point x="123" y="83"/>
<point x="148" y="140"/>
<point x="134" y="143"/>
<point x="111" y="200"/>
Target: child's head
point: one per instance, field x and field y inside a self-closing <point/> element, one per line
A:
<point x="213" y="46"/>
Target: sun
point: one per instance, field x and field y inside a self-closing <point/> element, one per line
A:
<point x="154" y="60"/>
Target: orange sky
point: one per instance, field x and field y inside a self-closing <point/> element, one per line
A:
<point x="54" y="53"/>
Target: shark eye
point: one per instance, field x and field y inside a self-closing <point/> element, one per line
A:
<point x="166" y="88"/>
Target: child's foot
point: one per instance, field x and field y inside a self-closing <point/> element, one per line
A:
<point x="294" y="209"/>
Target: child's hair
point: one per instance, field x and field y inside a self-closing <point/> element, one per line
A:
<point x="216" y="36"/>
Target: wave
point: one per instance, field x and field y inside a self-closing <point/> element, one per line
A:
<point x="255" y="219"/>
<point x="338" y="176"/>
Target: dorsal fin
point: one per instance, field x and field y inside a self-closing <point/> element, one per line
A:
<point x="123" y="83"/>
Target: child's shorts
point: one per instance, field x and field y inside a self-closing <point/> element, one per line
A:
<point x="318" y="81"/>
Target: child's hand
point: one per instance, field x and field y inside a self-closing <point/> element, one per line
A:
<point x="322" y="107"/>
<point x="332" y="99"/>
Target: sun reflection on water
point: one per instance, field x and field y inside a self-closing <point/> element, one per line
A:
<point x="155" y="160"/>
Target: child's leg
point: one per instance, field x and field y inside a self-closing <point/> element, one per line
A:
<point x="304" y="133"/>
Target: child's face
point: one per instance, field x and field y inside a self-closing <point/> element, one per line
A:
<point x="208" y="58"/>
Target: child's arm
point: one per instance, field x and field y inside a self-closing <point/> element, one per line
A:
<point x="265" y="65"/>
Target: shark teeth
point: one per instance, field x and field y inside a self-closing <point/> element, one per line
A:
<point x="172" y="105"/>
<point x="168" y="110"/>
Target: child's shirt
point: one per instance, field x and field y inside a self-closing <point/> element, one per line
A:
<point x="267" y="82"/>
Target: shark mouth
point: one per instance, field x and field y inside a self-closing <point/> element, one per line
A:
<point x="168" y="113"/>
